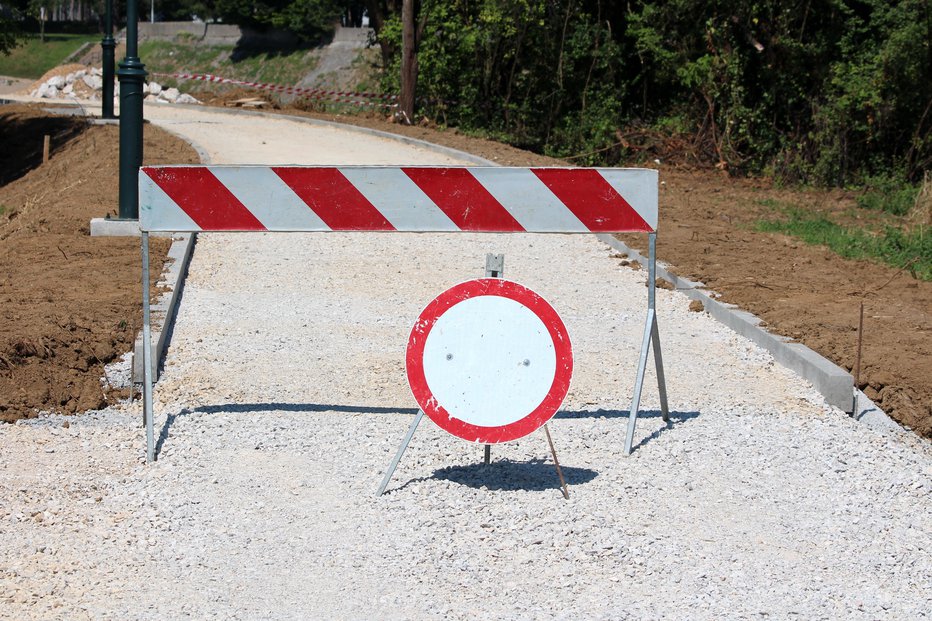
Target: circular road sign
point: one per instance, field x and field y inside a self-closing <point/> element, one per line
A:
<point x="489" y="361"/>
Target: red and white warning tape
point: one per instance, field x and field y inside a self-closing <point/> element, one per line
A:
<point x="347" y="97"/>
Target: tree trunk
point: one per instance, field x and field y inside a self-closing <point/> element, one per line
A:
<point x="379" y="11"/>
<point x="408" y="62"/>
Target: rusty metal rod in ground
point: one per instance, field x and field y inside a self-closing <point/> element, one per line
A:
<point x="857" y="360"/>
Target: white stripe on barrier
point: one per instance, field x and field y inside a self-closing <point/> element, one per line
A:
<point x="273" y="203"/>
<point x="159" y="206"/>
<point x="399" y="199"/>
<point x="642" y="196"/>
<point x="528" y="200"/>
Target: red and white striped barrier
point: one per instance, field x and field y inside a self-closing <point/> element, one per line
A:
<point x="391" y="198"/>
<point x="371" y="198"/>
<point x="347" y="97"/>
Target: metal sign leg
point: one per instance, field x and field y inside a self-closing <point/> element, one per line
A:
<point x="651" y="336"/>
<point x="147" y="353"/>
<point x="494" y="268"/>
<point x="639" y="381"/>
<point x="556" y="463"/>
<point x="658" y="364"/>
<point x="401" y="451"/>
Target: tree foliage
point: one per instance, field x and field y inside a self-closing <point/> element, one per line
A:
<point x="831" y="91"/>
<point x="10" y="31"/>
<point x="307" y="19"/>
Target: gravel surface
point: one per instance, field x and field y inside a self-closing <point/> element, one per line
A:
<point x="284" y="399"/>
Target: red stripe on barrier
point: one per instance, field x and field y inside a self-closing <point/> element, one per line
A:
<point x="465" y="201"/>
<point x="334" y="199"/>
<point x="592" y="199"/>
<point x="206" y="201"/>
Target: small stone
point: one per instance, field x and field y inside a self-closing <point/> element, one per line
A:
<point x="94" y="82"/>
<point x="170" y="94"/>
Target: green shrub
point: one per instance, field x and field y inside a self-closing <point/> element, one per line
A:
<point x="888" y="194"/>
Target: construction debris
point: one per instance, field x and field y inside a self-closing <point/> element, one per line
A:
<point x="87" y="83"/>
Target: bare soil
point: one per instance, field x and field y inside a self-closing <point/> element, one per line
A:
<point x="84" y="309"/>
<point x="69" y="303"/>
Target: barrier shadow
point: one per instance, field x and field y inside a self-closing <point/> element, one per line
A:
<point x="506" y="475"/>
<point x="676" y="418"/>
<point x="270" y="407"/>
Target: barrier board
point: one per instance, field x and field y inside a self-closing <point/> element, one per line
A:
<point x="377" y="198"/>
<point x="409" y="198"/>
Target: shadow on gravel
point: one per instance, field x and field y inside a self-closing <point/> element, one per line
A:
<point x="676" y="418"/>
<point x="506" y="475"/>
<point x="272" y="407"/>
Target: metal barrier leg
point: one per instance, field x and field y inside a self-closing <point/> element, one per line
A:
<point x="658" y="364"/>
<point x="639" y="382"/>
<point x="147" y="353"/>
<point x="401" y="451"/>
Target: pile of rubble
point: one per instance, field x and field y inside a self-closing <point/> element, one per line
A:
<point x="88" y="84"/>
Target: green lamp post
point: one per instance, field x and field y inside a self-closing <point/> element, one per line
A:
<point x="132" y="75"/>
<point x="108" y="45"/>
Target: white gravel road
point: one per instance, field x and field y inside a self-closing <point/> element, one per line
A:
<point x="284" y="398"/>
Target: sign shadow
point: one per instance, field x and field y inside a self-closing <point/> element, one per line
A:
<point x="506" y="475"/>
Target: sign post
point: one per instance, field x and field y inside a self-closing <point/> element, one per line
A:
<point x="489" y="361"/>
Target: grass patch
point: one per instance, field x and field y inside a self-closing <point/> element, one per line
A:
<point x="893" y="246"/>
<point x="33" y="58"/>
<point x="888" y="194"/>
<point x="186" y="56"/>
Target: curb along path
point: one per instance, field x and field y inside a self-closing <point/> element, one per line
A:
<point x="283" y="399"/>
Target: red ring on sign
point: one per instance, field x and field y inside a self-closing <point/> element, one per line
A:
<point x="414" y="360"/>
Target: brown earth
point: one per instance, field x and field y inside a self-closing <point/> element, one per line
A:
<point x="706" y="234"/>
<point x="69" y="303"/>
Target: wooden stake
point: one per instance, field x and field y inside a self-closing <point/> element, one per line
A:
<point x="45" y="149"/>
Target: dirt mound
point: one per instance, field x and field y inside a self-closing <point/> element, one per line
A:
<point x="69" y="303"/>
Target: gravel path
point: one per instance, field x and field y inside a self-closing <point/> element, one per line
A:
<point x="284" y="398"/>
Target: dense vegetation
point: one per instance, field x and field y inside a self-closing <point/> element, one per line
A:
<point x="308" y="19"/>
<point x="825" y="91"/>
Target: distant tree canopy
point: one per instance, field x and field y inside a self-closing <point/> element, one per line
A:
<point x="827" y="91"/>
<point x="307" y="19"/>
<point x="10" y="32"/>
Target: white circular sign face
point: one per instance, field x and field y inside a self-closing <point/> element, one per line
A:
<point x="489" y="361"/>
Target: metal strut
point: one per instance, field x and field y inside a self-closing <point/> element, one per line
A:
<point x="651" y="336"/>
<point x="401" y="451"/>
<point x="147" y="353"/>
